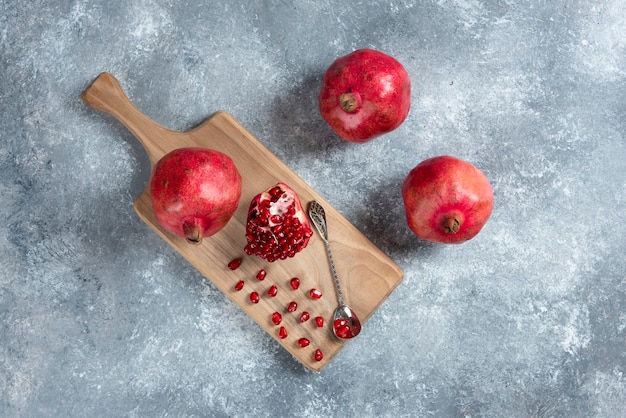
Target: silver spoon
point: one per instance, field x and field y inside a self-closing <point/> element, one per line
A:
<point x="345" y="322"/>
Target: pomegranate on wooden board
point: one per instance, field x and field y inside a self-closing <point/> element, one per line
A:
<point x="365" y="94"/>
<point x="447" y="200"/>
<point x="277" y="227"/>
<point x="194" y="192"/>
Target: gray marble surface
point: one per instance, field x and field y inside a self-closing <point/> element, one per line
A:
<point x="100" y="317"/>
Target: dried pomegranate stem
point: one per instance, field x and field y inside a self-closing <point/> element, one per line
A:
<point x="193" y="232"/>
<point x="349" y="102"/>
<point x="451" y="225"/>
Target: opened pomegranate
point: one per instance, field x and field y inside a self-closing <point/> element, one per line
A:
<point x="277" y="228"/>
<point x="447" y="200"/>
<point x="365" y="94"/>
<point x="194" y="192"/>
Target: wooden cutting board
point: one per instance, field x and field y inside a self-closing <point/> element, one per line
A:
<point x="367" y="275"/>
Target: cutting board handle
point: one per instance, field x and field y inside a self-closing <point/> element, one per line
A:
<point x="106" y="95"/>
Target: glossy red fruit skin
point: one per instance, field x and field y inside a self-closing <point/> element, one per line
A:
<point x="194" y="192"/>
<point x="447" y="200"/>
<point x="318" y="355"/>
<point x="365" y="94"/>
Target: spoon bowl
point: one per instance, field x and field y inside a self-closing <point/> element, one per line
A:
<point x="345" y="322"/>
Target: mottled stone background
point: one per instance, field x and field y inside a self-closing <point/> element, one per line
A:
<point x="100" y="317"/>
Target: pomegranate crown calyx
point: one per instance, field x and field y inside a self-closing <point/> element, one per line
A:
<point x="350" y="101"/>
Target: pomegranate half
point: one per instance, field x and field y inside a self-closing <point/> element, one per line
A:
<point x="194" y="192"/>
<point x="447" y="200"/>
<point x="365" y="94"/>
<point x="277" y="227"/>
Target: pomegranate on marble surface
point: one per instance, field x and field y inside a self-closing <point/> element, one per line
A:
<point x="194" y="192"/>
<point x="447" y="200"/>
<point x="365" y="94"/>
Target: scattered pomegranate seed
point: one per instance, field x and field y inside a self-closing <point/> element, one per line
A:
<point x="261" y="274"/>
<point x="294" y="283"/>
<point x="277" y="318"/>
<point x="282" y="333"/>
<point x="234" y="263"/>
<point x="303" y="342"/>
<point x="254" y="297"/>
<point x="318" y="355"/>
<point x="305" y="316"/>
<point x="272" y="291"/>
<point x="239" y="285"/>
<point x="319" y="321"/>
<point x="315" y="294"/>
<point x="292" y="307"/>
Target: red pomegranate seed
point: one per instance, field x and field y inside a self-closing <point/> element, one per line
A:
<point x="261" y="274"/>
<point x="294" y="283"/>
<point x="254" y="297"/>
<point x="276" y="318"/>
<point x="341" y="328"/>
<point x="318" y="355"/>
<point x="303" y="342"/>
<point x="272" y="291"/>
<point x="282" y="333"/>
<point x="305" y="316"/>
<point x="275" y="192"/>
<point x="319" y="321"/>
<point x="292" y="307"/>
<point x="239" y="285"/>
<point x="234" y="263"/>
<point x="339" y="322"/>
<point x="315" y="294"/>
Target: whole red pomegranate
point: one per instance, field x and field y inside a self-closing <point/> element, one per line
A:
<point x="194" y="192"/>
<point x="447" y="200"/>
<point x="277" y="227"/>
<point x="365" y="94"/>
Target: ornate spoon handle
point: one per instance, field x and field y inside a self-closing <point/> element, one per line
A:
<point x="318" y="216"/>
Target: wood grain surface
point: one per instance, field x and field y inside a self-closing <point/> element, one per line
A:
<point x="367" y="275"/>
